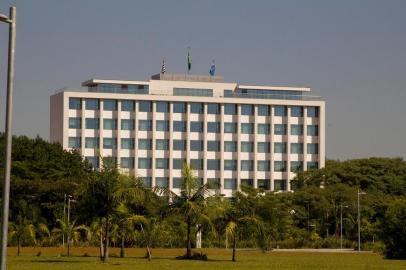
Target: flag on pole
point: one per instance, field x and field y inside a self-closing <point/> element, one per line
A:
<point x="189" y="61"/>
<point x="212" y="70"/>
<point x="163" y="69"/>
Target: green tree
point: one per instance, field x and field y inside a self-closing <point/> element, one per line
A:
<point x="74" y="234"/>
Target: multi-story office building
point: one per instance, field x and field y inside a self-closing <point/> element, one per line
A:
<point x="230" y="133"/>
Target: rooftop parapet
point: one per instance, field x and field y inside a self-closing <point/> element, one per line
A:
<point x="187" y="77"/>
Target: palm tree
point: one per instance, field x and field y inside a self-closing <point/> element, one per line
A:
<point x="21" y="231"/>
<point x="190" y="204"/>
<point x="73" y="233"/>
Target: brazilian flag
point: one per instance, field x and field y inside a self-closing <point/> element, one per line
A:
<point x="189" y="61"/>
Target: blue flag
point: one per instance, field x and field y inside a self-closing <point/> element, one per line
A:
<point x="212" y="69"/>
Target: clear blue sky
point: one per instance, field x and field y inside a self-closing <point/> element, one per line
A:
<point x="353" y="53"/>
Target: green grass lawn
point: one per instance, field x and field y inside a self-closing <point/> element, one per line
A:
<point x="163" y="259"/>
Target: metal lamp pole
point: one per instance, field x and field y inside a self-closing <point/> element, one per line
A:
<point x="64" y="220"/>
<point x="359" y="221"/>
<point x="8" y="134"/>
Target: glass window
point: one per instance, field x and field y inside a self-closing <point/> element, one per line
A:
<point x="177" y="182"/>
<point x="92" y="123"/>
<point x="230" y="127"/>
<point x="264" y="147"/>
<point x="247" y="109"/>
<point x="93" y="161"/>
<point x="74" y="142"/>
<point x="192" y="92"/>
<point x="264" y="184"/>
<point x="312" y="165"/>
<point x="213" y="146"/>
<point x="263" y="166"/>
<point x="230" y="146"/>
<point x="147" y="181"/>
<point x="312" y="148"/>
<point x="196" y="108"/>
<point x="280" y="110"/>
<point x="91" y="142"/>
<point x="296" y="166"/>
<point x="92" y="104"/>
<point x="296" y="111"/>
<point x="162" y="144"/>
<point x="144" y="144"/>
<point x="196" y="145"/>
<point x="127" y="162"/>
<point x="213" y="127"/>
<point x="179" y="145"/>
<point x="162" y="182"/>
<point x="280" y="129"/>
<point x="162" y="125"/>
<point x="109" y="105"/>
<point x="247" y="165"/>
<point x="296" y="130"/>
<point x="178" y="163"/>
<point x="264" y="129"/>
<point x="75" y="104"/>
<point x="179" y="107"/>
<point x="144" y="163"/>
<point x="313" y="130"/>
<point x="75" y="122"/>
<point x="213" y="108"/>
<point x="214" y="183"/>
<point x="162" y="163"/>
<point x="279" y="184"/>
<point x="280" y="166"/>
<point x="179" y="126"/>
<point x="230" y="109"/>
<point x="127" y="124"/>
<point x="296" y="148"/>
<point x="162" y="106"/>
<point x="145" y="125"/>
<point x="196" y="164"/>
<point x="247" y="128"/>
<point x="230" y="183"/>
<point x="213" y="164"/>
<point x="145" y="106"/>
<point x="280" y="147"/>
<point x="247" y="147"/>
<point x="230" y="165"/>
<point x="313" y="111"/>
<point x="247" y="182"/>
<point x="109" y="143"/>
<point x="263" y="110"/>
<point x="127" y="143"/>
<point x="228" y="93"/>
<point x="127" y="105"/>
<point x="110" y="124"/>
<point x="196" y="126"/>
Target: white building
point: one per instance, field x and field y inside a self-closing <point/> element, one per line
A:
<point x="230" y="133"/>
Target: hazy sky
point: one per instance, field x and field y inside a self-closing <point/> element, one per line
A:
<point x="353" y="53"/>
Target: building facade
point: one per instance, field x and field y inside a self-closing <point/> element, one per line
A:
<point x="231" y="134"/>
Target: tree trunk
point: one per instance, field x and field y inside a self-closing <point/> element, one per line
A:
<point x="188" y="241"/>
<point x="18" y="247"/>
<point x="106" y="242"/>
<point x="234" y="247"/>
<point x="147" y="240"/>
<point x="122" y="255"/>
<point x="101" y="240"/>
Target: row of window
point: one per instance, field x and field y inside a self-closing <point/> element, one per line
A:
<point x="195" y="107"/>
<point x="195" y="145"/>
<point x="212" y="164"/>
<point x="195" y="126"/>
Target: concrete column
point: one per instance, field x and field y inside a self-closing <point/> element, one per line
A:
<point x="153" y="105"/>
<point x="272" y="141"/>
<point x="101" y="108"/>
<point x="170" y="144"/>
<point x="187" y="138"/>
<point x="135" y="116"/>
<point x="255" y="178"/>
<point x="287" y="155"/>
<point x="238" y="147"/>
<point x="118" y="133"/>
<point x="304" y="138"/>
<point x="222" y="148"/>
<point x="82" y="127"/>
<point x="322" y="135"/>
<point x="205" y="143"/>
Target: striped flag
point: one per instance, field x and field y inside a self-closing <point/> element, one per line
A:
<point x="163" y="69"/>
<point x="189" y="61"/>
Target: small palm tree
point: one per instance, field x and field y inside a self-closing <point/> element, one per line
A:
<point x="74" y="233"/>
<point x="21" y="231"/>
<point x="190" y="204"/>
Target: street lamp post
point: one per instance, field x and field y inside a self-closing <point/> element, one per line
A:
<point x="11" y="20"/>
<point x="341" y="224"/>
<point x="68" y="224"/>
<point x="64" y="219"/>
<point x="359" y="221"/>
